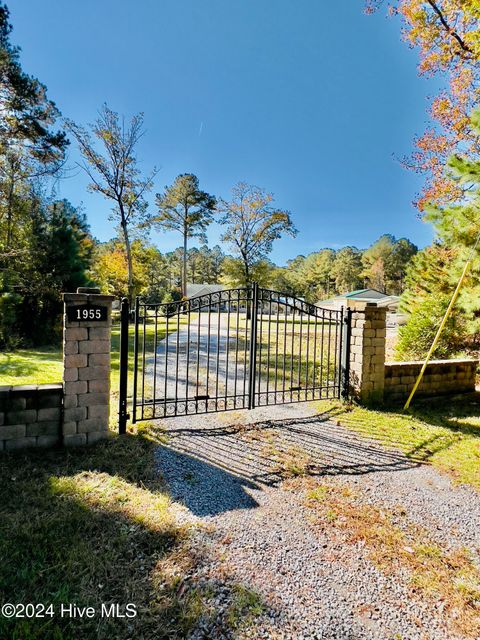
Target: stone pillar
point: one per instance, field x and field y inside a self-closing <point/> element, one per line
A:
<point x="86" y="366"/>
<point x="367" y="352"/>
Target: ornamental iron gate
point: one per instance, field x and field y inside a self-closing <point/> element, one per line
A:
<point x="232" y="349"/>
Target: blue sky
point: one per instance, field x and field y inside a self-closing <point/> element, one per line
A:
<point x="312" y="101"/>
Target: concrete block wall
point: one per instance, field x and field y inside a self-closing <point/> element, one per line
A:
<point x="441" y="377"/>
<point x="367" y="352"/>
<point x="30" y="416"/>
<point x="373" y="381"/>
<point x="86" y="374"/>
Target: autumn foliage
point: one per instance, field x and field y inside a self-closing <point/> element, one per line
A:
<point x="447" y="36"/>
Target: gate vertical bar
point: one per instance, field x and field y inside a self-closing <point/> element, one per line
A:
<point x="339" y="342"/>
<point x="347" y="330"/>
<point x="135" y="362"/>
<point x="253" y="347"/>
<point x="122" y="403"/>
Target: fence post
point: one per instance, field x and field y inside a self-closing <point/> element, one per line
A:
<point x="135" y="361"/>
<point x="252" y="370"/>
<point x="123" y="385"/>
<point x="347" y="331"/>
<point x="86" y="366"/>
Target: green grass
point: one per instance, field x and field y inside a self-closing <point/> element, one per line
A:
<point x="282" y="353"/>
<point x="84" y="526"/>
<point x="244" y="607"/>
<point x="43" y="365"/>
<point x="444" y="432"/>
<point x="115" y="361"/>
<point x="95" y="525"/>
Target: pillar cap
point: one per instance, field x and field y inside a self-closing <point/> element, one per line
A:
<point x="88" y="290"/>
<point x="359" y="305"/>
<point x="87" y="297"/>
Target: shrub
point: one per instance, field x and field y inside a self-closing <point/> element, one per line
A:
<point x="9" y="304"/>
<point x="416" y="337"/>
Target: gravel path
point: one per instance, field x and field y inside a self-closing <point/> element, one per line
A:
<point x="199" y="359"/>
<point x="253" y="531"/>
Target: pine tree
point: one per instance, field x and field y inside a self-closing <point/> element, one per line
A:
<point x="434" y="274"/>
<point x="26" y="114"/>
<point x="184" y="208"/>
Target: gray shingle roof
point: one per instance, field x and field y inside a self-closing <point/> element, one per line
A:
<point x="194" y="290"/>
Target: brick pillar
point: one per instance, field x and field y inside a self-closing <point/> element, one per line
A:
<point x="86" y="366"/>
<point x="367" y="352"/>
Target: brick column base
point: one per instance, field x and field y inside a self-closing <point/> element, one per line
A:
<point x="367" y="352"/>
<point x="86" y="370"/>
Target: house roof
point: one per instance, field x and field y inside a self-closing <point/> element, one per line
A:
<point x="194" y="290"/>
<point x="360" y="294"/>
<point x="366" y="295"/>
<point x="330" y="301"/>
<point x="388" y="300"/>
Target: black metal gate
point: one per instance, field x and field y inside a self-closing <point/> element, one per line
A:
<point x="233" y="349"/>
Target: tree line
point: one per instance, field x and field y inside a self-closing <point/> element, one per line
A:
<point x="45" y="243"/>
<point x="158" y="276"/>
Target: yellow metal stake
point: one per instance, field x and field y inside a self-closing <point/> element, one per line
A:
<point x="440" y="329"/>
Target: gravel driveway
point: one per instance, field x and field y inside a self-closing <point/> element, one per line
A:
<point x="201" y="358"/>
<point x="255" y="531"/>
<point x="205" y="363"/>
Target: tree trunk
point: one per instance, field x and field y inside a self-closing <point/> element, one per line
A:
<point x="247" y="272"/>
<point x="10" y="214"/>
<point x="184" y="267"/>
<point x="128" y="251"/>
<point x="247" y="283"/>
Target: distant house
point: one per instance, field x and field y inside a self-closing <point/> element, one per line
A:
<point x="363" y="295"/>
<point x="237" y="300"/>
<point x="200" y="290"/>
<point x="194" y="290"/>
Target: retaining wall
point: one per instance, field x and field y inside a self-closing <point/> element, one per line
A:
<point x="441" y="377"/>
<point x="30" y="416"/>
<point x="77" y="411"/>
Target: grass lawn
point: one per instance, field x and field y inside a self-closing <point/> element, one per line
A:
<point x="444" y="432"/>
<point x="43" y="365"/>
<point x="93" y="526"/>
<point x="290" y="353"/>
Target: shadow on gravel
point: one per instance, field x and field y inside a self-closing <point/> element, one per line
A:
<point x="329" y="449"/>
<point x="209" y="465"/>
<point x="205" y="489"/>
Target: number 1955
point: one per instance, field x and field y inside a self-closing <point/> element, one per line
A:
<point x="89" y="314"/>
